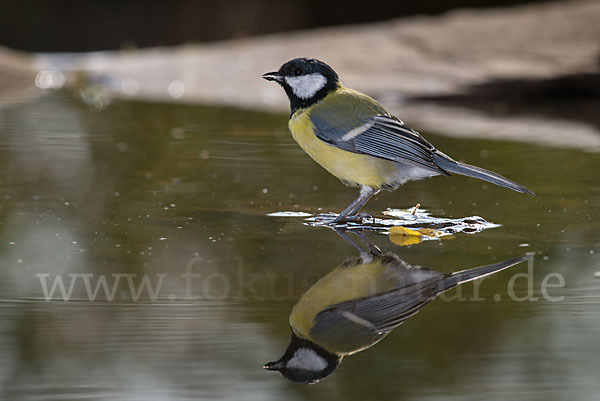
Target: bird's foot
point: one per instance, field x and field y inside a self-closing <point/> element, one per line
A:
<point x="365" y="215"/>
<point x="356" y="218"/>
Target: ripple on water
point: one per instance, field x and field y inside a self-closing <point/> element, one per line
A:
<point x="289" y="214"/>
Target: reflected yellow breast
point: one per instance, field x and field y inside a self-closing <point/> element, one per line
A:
<point x="352" y="168"/>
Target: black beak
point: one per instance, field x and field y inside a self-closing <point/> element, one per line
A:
<point x="273" y="365"/>
<point x="273" y="76"/>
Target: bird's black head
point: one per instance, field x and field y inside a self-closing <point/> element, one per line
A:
<point x="305" y="362"/>
<point x="305" y="81"/>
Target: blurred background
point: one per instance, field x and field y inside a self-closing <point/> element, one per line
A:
<point x="109" y="25"/>
<point x="525" y="62"/>
<point x="138" y="140"/>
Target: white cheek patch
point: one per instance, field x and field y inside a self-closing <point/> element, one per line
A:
<point x="306" y="86"/>
<point x="307" y="359"/>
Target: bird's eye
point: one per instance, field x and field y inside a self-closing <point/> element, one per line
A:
<point x="298" y="72"/>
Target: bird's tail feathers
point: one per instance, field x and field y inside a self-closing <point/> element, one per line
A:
<point x="453" y="166"/>
<point x="465" y="276"/>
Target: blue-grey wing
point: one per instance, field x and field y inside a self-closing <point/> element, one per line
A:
<point x="341" y="331"/>
<point x="384" y="312"/>
<point x="381" y="136"/>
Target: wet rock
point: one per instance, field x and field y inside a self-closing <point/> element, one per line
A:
<point x="17" y="75"/>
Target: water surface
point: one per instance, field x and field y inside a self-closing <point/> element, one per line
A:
<point x="141" y="191"/>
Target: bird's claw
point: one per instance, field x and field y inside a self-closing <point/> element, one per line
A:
<point x="365" y="215"/>
<point x="357" y="218"/>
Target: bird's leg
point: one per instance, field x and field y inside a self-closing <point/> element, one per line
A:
<point x="346" y="237"/>
<point x="365" y="256"/>
<point x="366" y="193"/>
<point x="371" y="193"/>
<point x="373" y="249"/>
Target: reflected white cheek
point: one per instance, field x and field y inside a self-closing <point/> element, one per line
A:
<point x="307" y="359"/>
<point x="306" y="86"/>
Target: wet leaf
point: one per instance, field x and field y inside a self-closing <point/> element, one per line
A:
<point x="405" y="240"/>
<point x="405" y="236"/>
<point x="399" y="230"/>
<point x="430" y="232"/>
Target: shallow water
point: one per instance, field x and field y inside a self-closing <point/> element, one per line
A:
<point x="151" y="193"/>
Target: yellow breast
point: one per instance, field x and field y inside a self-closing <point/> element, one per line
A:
<point x="352" y="168"/>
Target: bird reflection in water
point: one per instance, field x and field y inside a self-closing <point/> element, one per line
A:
<point x="357" y="304"/>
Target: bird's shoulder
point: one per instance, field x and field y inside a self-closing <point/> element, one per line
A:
<point x="346" y="106"/>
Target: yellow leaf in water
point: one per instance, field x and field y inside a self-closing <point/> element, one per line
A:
<point x="404" y="236"/>
<point x="404" y="240"/>
<point x="430" y="232"/>
<point x="399" y="230"/>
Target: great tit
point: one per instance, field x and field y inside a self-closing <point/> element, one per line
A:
<point x="354" y="138"/>
<point x="356" y="305"/>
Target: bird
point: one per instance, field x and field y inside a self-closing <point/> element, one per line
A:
<point x="357" y="140"/>
<point x="359" y="303"/>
